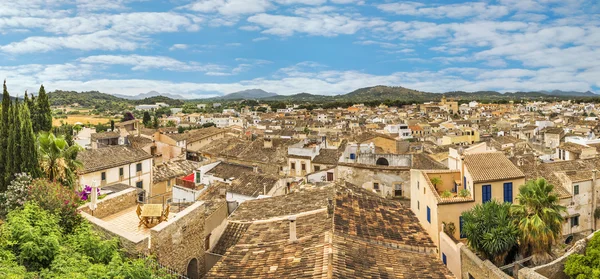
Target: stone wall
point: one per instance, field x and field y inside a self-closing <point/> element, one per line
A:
<point x="555" y="269"/>
<point x="473" y="267"/>
<point x="365" y="176"/>
<point x="397" y="160"/>
<point x="112" y="204"/>
<point x="179" y="241"/>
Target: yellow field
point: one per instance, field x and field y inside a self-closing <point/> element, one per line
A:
<point x="85" y="119"/>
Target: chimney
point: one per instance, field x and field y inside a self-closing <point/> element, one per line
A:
<point x="329" y="207"/>
<point x="222" y="192"/>
<point x="268" y="143"/>
<point x="255" y="168"/>
<point x="293" y="229"/>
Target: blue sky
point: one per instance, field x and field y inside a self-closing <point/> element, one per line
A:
<point x="202" y="48"/>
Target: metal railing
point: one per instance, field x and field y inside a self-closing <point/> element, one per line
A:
<point x="158" y="265"/>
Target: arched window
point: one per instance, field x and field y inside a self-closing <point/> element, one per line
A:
<point x="382" y="162"/>
<point x="192" y="269"/>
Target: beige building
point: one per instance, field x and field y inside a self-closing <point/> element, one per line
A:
<point x="117" y="164"/>
<point x="486" y="176"/>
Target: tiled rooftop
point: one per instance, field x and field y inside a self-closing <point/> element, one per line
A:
<point x="110" y="157"/>
<point x="491" y="166"/>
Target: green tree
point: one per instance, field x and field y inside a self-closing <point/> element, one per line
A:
<point x="436" y="181"/>
<point x="155" y="122"/>
<point x="58" y="159"/>
<point x="538" y="217"/>
<point x="585" y="266"/>
<point x="3" y="135"/>
<point x="147" y="120"/>
<point x="171" y="123"/>
<point x="490" y="230"/>
<point x="44" y="113"/>
<point x="112" y="125"/>
<point x="13" y="166"/>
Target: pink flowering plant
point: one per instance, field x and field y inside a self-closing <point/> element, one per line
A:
<point x="86" y="193"/>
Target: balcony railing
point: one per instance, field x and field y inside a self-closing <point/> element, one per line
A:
<point x="185" y="183"/>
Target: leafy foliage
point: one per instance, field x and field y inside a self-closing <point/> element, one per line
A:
<point x="16" y="194"/>
<point x="463" y="193"/>
<point x="32" y="245"/>
<point x="436" y="181"/>
<point x="57" y="199"/>
<point x="490" y="230"/>
<point x="58" y="159"/>
<point x="446" y="194"/>
<point x="588" y="265"/>
<point x="538" y="215"/>
<point x="33" y="235"/>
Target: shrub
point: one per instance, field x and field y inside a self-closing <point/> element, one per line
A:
<point x="57" y="199"/>
<point x="446" y="194"/>
<point x="464" y="193"/>
<point x="33" y="235"/>
<point x="585" y="266"/>
<point x="16" y="193"/>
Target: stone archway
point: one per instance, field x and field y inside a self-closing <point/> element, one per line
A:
<point x="192" y="269"/>
<point x="382" y="162"/>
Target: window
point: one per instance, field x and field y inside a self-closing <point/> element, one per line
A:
<point x="138" y="167"/>
<point x="486" y="193"/>
<point x="375" y="185"/>
<point x="103" y="176"/>
<point x="352" y="156"/>
<point x="576" y="190"/>
<point x="574" y="221"/>
<point x="460" y="224"/>
<point x="293" y="166"/>
<point x="140" y="184"/>
<point x="303" y="166"/>
<point x="317" y="168"/>
<point x="508" y="192"/>
<point x="417" y="184"/>
<point x="398" y="190"/>
<point x="464" y="182"/>
<point x="444" y="259"/>
<point x="418" y="205"/>
<point x="121" y="172"/>
<point x="198" y="177"/>
<point x="428" y="215"/>
<point x="169" y="183"/>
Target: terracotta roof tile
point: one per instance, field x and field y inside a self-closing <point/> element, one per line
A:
<point x="491" y="166"/>
<point x="110" y="157"/>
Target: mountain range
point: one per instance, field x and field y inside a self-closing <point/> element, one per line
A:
<point x="149" y="95"/>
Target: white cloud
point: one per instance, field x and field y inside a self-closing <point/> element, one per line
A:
<point x="229" y="7"/>
<point x="178" y="46"/>
<point x="260" y="39"/>
<point x="328" y="25"/>
<point x="462" y="10"/>
<point x="140" y="62"/>
<point x="102" y="40"/>
<point x="250" y="28"/>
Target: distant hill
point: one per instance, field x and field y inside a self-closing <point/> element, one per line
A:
<point x="250" y="94"/>
<point x="570" y="93"/>
<point x="385" y="92"/>
<point x="149" y="95"/>
<point x="86" y="99"/>
<point x="300" y="97"/>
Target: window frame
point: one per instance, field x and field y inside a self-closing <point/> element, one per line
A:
<point x="103" y="176"/>
<point x="138" y="167"/>
<point x="508" y="192"/>
<point x="576" y="189"/>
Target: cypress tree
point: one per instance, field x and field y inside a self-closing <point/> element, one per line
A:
<point x="44" y="112"/>
<point x="33" y="111"/>
<point x="146" y="120"/>
<point x="29" y="162"/>
<point x="3" y="135"/>
<point x="10" y="146"/>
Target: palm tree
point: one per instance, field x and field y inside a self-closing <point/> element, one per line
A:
<point x="58" y="159"/>
<point x="436" y="181"/>
<point x="538" y="216"/>
<point x="490" y="230"/>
